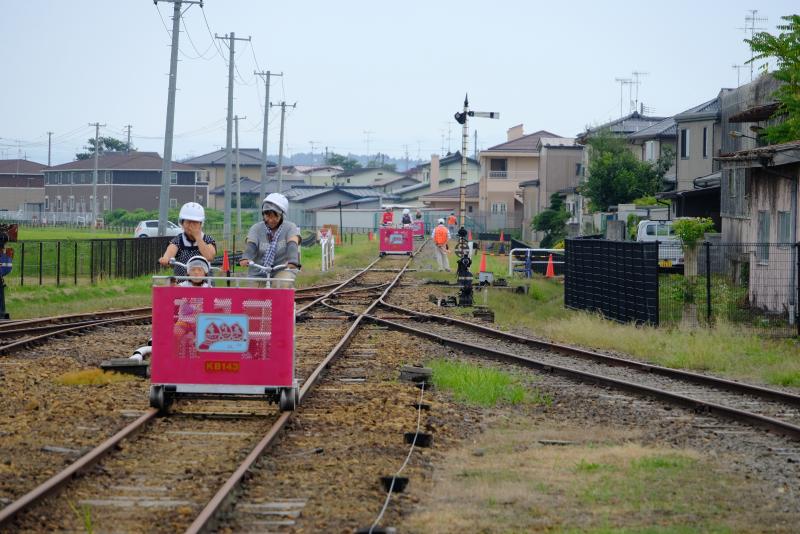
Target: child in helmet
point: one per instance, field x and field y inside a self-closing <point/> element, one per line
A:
<point x="197" y="268"/>
<point x="275" y="241"/>
<point x="192" y="242"/>
<point x="406" y="217"/>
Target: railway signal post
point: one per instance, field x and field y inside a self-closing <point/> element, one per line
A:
<point x="462" y="248"/>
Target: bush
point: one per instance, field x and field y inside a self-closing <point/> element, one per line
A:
<point x="691" y="229"/>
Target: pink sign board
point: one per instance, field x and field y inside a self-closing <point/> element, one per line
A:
<point x="223" y="336"/>
<point x="396" y="240"/>
<point x="418" y="228"/>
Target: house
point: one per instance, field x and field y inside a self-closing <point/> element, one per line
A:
<point x="22" y="186"/>
<point x="314" y="174"/>
<point x="448" y="200"/>
<point x="364" y="177"/>
<point x="503" y="167"/>
<point x="211" y="167"/>
<point x="559" y="172"/>
<point x="760" y="205"/>
<point x="125" y="181"/>
<point x="651" y="143"/>
<point x="411" y="194"/>
<point x="449" y="168"/>
<point x="250" y="191"/>
<point x="304" y="199"/>
<point x="393" y="183"/>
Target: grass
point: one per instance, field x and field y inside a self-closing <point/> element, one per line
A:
<point x="92" y="377"/>
<point x="482" y="386"/>
<point x="67" y="234"/>
<point x="602" y="482"/>
<point x="723" y="349"/>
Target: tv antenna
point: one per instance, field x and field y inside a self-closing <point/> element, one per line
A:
<point x="750" y="26"/>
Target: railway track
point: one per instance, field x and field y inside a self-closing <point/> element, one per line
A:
<point x="144" y="485"/>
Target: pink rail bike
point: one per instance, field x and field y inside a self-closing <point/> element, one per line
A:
<point x="396" y="241"/>
<point x="223" y="342"/>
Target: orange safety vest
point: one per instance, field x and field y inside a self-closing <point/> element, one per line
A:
<point x="452" y="220"/>
<point x="440" y="235"/>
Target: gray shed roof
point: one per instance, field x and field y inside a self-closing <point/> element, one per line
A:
<point x="526" y="143"/>
<point x="623" y="126"/>
<point x="665" y="128"/>
<point x="247" y="157"/>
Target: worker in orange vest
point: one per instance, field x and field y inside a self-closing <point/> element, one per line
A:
<point x="388" y="217"/>
<point x="441" y="235"/>
<point x="452" y="223"/>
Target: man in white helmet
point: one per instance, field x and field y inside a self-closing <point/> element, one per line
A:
<point x="440" y="236"/>
<point x="406" y="217"/>
<point x="192" y="242"/>
<point x="275" y="241"/>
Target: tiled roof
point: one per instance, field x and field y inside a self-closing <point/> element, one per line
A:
<point x="707" y="109"/>
<point x="305" y="192"/>
<point x="453" y="192"/>
<point x="133" y="161"/>
<point x="355" y="172"/>
<point x="250" y="186"/>
<point x="665" y="128"/>
<point x="247" y="157"/>
<point x="526" y="143"/>
<point x="392" y="179"/>
<point x="21" y="166"/>
<point x="624" y="125"/>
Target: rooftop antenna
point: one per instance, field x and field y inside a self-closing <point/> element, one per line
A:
<point x="622" y="83"/>
<point x="738" y="73"/>
<point x="750" y="26"/>
<point x="637" y="82"/>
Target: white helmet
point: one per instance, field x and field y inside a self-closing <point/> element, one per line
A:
<point x="275" y="201"/>
<point x="406" y="211"/>
<point x="198" y="261"/>
<point x="192" y="211"/>
<point x="441" y="221"/>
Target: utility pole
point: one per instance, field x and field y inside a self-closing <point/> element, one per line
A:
<point x="475" y="147"/>
<point x="238" y="180"/>
<point x="128" y="145"/>
<point x="267" y="76"/>
<point x="97" y="126"/>
<point x="166" y="165"/>
<point x="280" y="147"/>
<point x="226" y="226"/>
<point x="49" y="146"/>
<point x="313" y="144"/>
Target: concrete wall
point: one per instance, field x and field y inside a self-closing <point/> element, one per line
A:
<point x="15" y="198"/>
<point x="695" y="165"/>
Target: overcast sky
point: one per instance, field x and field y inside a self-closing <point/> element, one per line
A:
<point x="387" y="76"/>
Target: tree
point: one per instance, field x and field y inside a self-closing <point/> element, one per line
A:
<point x="552" y="221"/>
<point x="344" y="162"/>
<point x="107" y="144"/>
<point x="785" y="48"/>
<point x="617" y="177"/>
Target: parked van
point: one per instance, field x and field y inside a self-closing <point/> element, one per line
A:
<point x="670" y="250"/>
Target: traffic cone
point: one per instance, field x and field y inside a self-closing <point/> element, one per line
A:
<point x="369" y="235"/>
<point x="469" y="235"/>
<point x="338" y="239"/>
<point x="226" y="264"/>
<point x="501" y="236"/>
<point x="483" y="263"/>
<point x="550" y="273"/>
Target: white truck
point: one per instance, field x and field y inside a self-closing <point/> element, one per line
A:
<point x="670" y="249"/>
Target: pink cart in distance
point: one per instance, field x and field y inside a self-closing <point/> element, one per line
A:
<point x="418" y="229"/>
<point x="223" y="342"/>
<point x="396" y="241"/>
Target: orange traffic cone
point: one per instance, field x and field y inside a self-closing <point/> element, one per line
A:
<point x="369" y="236"/>
<point x="501" y="236"/>
<point x="226" y="264"/>
<point x="550" y="273"/>
<point x="483" y="263"/>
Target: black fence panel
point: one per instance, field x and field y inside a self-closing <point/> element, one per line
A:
<point x="617" y="278"/>
<point x="83" y="261"/>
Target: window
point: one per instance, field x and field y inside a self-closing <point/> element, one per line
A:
<point x="105" y="203"/>
<point x="152" y="224"/>
<point x="71" y="205"/>
<point x="784" y="228"/>
<point x="734" y="202"/>
<point x="46" y="203"/>
<point x="498" y="168"/>
<point x="58" y="203"/>
<point x="173" y="178"/>
<point x="469" y="209"/>
<point x="651" y="229"/>
<point x="579" y="169"/>
<point x="649" y="150"/>
<point x="498" y="208"/>
<point x="173" y="203"/>
<point x="762" y="250"/>
<point x="705" y="141"/>
<point x="684" y="143"/>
